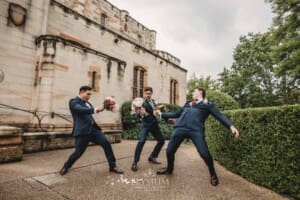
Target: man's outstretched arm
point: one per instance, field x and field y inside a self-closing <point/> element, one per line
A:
<point x="224" y="120"/>
<point x="175" y="114"/>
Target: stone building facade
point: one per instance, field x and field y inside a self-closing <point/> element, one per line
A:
<point x="49" y="48"/>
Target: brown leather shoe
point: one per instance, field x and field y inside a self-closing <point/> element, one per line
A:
<point x="164" y="171"/>
<point x="154" y="161"/>
<point x="63" y="171"/>
<point x="116" y="170"/>
<point x="134" y="167"/>
<point x="214" y="181"/>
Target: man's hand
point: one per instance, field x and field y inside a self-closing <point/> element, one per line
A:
<point x="142" y="112"/>
<point x="234" y="131"/>
<point x="156" y="112"/>
<point x="171" y="121"/>
<point x="100" y="109"/>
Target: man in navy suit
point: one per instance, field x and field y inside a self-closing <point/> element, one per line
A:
<point x="190" y="124"/>
<point x="149" y="124"/>
<point x="86" y="130"/>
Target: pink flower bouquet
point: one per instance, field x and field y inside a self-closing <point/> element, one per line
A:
<point x="110" y="104"/>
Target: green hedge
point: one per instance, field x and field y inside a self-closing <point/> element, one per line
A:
<point x="222" y="100"/>
<point x="131" y="126"/>
<point x="128" y="120"/>
<point x="133" y="132"/>
<point x="267" y="152"/>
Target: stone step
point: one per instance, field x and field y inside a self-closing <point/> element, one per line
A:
<point x="11" y="144"/>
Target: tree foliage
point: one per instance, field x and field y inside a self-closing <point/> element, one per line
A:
<point x="286" y="37"/>
<point x="251" y="80"/>
<point x="266" y="67"/>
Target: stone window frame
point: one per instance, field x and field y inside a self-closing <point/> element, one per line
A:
<point x="94" y="75"/>
<point x="103" y="19"/>
<point x="139" y="81"/>
<point x="174" y="91"/>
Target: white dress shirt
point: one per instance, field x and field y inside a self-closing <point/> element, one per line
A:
<point x="89" y="106"/>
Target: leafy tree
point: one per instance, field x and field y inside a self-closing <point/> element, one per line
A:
<point x="285" y="36"/>
<point x="266" y="67"/>
<point x="251" y="80"/>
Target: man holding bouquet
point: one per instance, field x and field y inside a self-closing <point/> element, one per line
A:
<point x="86" y="130"/>
<point x="149" y="124"/>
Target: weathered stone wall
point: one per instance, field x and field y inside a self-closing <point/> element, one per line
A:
<point x="43" y="76"/>
<point x="116" y="19"/>
<point x="72" y="66"/>
<point x="18" y="58"/>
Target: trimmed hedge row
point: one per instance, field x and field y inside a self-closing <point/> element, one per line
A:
<point x="133" y="132"/>
<point x="268" y="150"/>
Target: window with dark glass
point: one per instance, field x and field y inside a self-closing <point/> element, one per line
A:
<point x="138" y="82"/>
<point x="135" y="82"/>
<point x="173" y="91"/>
<point x="94" y="80"/>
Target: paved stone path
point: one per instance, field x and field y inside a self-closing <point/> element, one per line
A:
<point x="36" y="177"/>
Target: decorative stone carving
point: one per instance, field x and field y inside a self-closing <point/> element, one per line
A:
<point x="16" y="14"/>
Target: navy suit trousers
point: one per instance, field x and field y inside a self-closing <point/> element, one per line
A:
<point x="178" y="135"/>
<point x="155" y="131"/>
<point x="81" y="142"/>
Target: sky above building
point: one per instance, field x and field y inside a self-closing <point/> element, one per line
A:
<point x="201" y="33"/>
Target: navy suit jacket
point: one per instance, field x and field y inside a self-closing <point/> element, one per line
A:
<point x="150" y="120"/>
<point x="193" y="117"/>
<point x="82" y="117"/>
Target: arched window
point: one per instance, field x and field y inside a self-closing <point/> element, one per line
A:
<point x="174" y="96"/>
<point x="139" y="79"/>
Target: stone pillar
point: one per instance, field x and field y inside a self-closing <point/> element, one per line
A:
<point x="11" y="144"/>
<point x="42" y="100"/>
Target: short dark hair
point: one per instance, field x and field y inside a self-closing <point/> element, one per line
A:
<point x="84" y="88"/>
<point x="148" y="89"/>
<point x="202" y="90"/>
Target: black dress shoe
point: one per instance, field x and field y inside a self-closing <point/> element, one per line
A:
<point x="164" y="171"/>
<point x="154" y="161"/>
<point x="214" y="181"/>
<point x="63" y="171"/>
<point x="116" y="170"/>
<point x="134" y="167"/>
